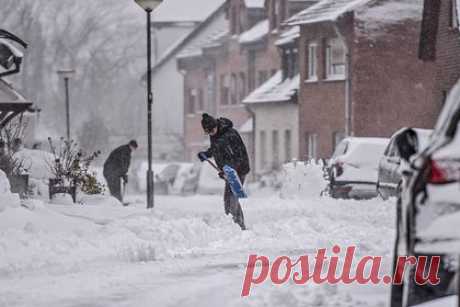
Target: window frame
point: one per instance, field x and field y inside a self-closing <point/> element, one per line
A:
<point x="312" y="62"/>
<point x="330" y="65"/>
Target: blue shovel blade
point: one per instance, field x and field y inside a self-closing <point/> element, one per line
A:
<point x="234" y="182"/>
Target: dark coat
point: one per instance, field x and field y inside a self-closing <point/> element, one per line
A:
<point x="227" y="148"/>
<point x="117" y="164"/>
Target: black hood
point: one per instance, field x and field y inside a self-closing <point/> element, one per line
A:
<point x="224" y="125"/>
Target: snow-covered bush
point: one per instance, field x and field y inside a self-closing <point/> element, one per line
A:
<point x="7" y="199"/>
<point x="302" y="179"/>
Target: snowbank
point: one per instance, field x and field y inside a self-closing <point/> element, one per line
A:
<point x="7" y="199"/>
<point x="36" y="162"/>
<point x="302" y="179"/>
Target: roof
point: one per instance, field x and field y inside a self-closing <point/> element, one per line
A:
<point x="274" y="90"/>
<point x="325" y="10"/>
<point x="255" y="4"/>
<point x="256" y="33"/>
<point x="13" y="49"/>
<point x="375" y="18"/>
<point x="11" y="103"/>
<point x="289" y="36"/>
<point x="181" y="43"/>
<point x="209" y="41"/>
<point x="185" y="11"/>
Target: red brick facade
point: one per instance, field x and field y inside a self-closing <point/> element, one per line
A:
<point x="390" y="87"/>
<point x="447" y="56"/>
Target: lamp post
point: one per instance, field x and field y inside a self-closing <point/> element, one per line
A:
<point x="149" y="6"/>
<point x="67" y="74"/>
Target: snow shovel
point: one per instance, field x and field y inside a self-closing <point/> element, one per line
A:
<point x="125" y="188"/>
<point x="231" y="176"/>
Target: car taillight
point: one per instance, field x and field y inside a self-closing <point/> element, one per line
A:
<point x="444" y="171"/>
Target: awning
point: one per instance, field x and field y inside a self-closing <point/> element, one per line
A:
<point x="11" y="103"/>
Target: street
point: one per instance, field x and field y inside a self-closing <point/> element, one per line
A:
<point x="185" y="252"/>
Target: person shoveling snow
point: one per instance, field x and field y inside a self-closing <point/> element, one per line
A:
<point x="116" y="168"/>
<point x="229" y="152"/>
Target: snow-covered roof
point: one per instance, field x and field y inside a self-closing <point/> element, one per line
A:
<point x="9" y="95"/>
<point x="288" y="36"/>
<point x="274" y="89"/>
<point x="326" y="10"/>
<point x="247" y="126"/>
<point x="13" y="48"/>
<point x="209" y="41"/>
<point x="254" y="4"/>
<point x="185" y="11"/>
<point x="376" y="17"/>
<point x="256" y="33"/>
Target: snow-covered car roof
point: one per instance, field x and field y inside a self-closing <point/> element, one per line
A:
<point x="361" y="150"/>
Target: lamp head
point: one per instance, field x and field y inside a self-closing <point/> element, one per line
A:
<point x="148" y="5"/>
<point x="66" y="73"/>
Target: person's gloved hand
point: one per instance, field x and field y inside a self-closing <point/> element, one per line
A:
<point x="222" y="175"/>
<point x="125" y="179"/>
<point x="202" y="156"/>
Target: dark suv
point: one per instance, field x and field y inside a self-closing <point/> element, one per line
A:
<point x="428" y="209"/>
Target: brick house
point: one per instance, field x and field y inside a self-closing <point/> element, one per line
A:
<point x="359" y="72"/>
<point x="440" y="44"/>
<point x="222" y="71"/>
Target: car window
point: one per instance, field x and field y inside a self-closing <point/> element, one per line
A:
<point x="341" y="149"/>
<point x="390" y="150"/>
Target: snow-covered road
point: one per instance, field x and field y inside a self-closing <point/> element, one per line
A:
<point x="184" y="253"/>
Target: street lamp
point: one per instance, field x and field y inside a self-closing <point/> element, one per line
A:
<point x="67" y="74"/>
<point x="149" y="6"/>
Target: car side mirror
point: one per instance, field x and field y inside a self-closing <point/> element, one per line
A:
<point x="407" y="144"/>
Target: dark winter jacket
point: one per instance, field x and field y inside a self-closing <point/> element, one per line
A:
<point x="227" y="147"/>
<point x="117" y="164"/>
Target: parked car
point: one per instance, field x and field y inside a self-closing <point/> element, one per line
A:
<point x="353" y="168"/>
<point x="428" y="209"/>
<point x="389" y="178"/>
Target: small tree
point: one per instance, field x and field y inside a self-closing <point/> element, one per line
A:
<point x="10" y="143"/>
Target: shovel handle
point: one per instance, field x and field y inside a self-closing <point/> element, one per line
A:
<point x="214" y="165"/>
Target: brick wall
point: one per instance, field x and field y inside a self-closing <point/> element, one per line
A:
<point x="392" y="88"/>
<point x="447" y="54"/>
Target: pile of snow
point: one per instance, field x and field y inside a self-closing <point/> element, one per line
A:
<point x="302" y="179"/>
<point x="209" y="182"/>
<point x="36" y="162"/>
<point x="7" y="199"/>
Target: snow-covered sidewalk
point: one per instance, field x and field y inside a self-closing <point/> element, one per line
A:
<point x="185" y="252"/>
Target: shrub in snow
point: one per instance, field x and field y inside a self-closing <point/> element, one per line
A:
<point x="71" y="166"/>
<point x="302" y="179"/>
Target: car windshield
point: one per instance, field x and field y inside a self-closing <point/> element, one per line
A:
<point x="341" y="149"/>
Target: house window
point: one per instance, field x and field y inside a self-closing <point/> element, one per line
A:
<point x="275" y="148"/>
<point x="335" y="59"/>
<point x="224" y="89"/>
<point x="192" y="101"/>
<point x="291" y="65"/>
<point x="312" y="145"/>
<point x="210" y="90"/>
<point x="454" y="17"/>
<point x="234" y="89"/>
<point x="312" y="61"/>
<point x="263" y="149"/>
<point x="242" y="86"/>
<point x="337" y="137"/>
<point x="200" y="105"/>
<point x="274" y="14"/>
<point x="288" y="145"/>
<point x="262" y="77"/>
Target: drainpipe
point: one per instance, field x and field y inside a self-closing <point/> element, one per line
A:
<point x="253" y="140"/>
<point x="348" y="89"/>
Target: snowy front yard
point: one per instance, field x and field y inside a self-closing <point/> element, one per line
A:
<point x="184" y="253"/>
